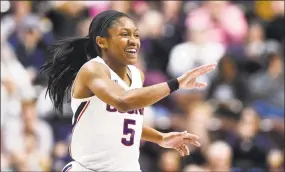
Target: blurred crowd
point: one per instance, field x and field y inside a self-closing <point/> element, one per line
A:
<point x="238" y="117"/>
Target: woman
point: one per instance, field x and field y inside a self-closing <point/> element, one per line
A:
<point x="107" y="98"/>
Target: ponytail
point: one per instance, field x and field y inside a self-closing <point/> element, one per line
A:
<point x="66" y="58"/>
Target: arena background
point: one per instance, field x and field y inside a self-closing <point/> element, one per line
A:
<point x="239" y="117"/>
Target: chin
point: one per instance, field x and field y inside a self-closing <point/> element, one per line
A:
<point x="131" y="60"/>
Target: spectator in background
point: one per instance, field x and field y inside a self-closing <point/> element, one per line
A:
<point x="228" y="85"/>
<point x="59" y="154"/>
<point x="161" y="34"/>
<point x="25" y="33"/>
<point x="275" y="160"/>
<point x="267" y="88"/>
<point x="198" y="121"/>
<point x="15" y="80"/>
<point x="174" y="21"/>
<point x="255" y="48"/>
<point x="151" y="25"/>
<point x="169" y="161"/>
<point x="250" y="145"/>
<point x="197" y="50"/>
<point x="219" y="157"/>
<point x="29" y="44"/>
<point x="256" y="45"/>
<point x="65" y="17"/>
<point x="225" y="22"/>
<point x="20" y="9"/>
<point x="224" y="122"/>
<point x="32" y="156"/>
<point x="18" y="132"/>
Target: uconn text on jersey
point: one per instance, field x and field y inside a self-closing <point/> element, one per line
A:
<point x="137" y="111"/>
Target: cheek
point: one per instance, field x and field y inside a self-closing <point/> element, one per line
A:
<point x="123" y="42"/>
<point x="118" y="45"/>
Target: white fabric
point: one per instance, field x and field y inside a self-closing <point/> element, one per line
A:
<point x="97" y="137"/>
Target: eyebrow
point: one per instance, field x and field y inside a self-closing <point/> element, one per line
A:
<point x="128" y="29"/>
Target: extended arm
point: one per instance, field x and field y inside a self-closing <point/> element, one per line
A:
<point x="96" y="77"/>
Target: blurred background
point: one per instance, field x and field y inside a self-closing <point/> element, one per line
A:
<point x="239" y="117"/>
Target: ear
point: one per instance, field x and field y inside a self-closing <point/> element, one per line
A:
<point x="101" y="42"/>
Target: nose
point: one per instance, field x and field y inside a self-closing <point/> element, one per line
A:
<point x="133" y="41"/>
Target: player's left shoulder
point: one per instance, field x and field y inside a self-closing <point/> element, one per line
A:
<point x="139" y="72"/>
<point x="142" y="75"/>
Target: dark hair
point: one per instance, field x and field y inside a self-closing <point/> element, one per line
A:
<point x="68" y="56"/>
<point x="227" y="58"/>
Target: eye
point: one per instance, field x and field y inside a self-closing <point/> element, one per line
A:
<point x="137" y="35"/>
<point x="124" y="34"/>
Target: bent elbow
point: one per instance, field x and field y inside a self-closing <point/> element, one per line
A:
<point x="122" y="105"/>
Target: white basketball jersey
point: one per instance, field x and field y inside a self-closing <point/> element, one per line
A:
<point x="104" y="138"/>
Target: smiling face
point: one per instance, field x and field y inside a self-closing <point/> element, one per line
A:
<point x="123" y="43"/>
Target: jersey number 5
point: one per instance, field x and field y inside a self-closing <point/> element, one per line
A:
<point x="127" y="131"/>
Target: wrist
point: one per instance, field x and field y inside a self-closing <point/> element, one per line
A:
<point x="173" y="85"/>
<point x="161" y="137"/>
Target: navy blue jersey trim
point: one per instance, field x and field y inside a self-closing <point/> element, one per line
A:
<point x="66" y="168"/>
<point x="78" y="111"/>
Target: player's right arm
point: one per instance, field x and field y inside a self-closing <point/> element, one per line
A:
<point x="96" y="77"/>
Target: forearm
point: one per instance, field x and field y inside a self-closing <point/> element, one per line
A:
<point x="151" y="135"/>
<point x="143" y="97"/>
<point x="99" y="82"/>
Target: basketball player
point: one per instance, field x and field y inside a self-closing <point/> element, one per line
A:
<point x="107" y="97"/>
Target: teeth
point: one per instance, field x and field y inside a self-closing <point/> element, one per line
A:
<point x="131" y="50"/>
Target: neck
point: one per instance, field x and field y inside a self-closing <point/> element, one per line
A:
<point x="119" y="69"/>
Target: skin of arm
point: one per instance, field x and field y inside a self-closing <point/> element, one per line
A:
<point x="151" y="135"/>
<point x="96" y="77"/>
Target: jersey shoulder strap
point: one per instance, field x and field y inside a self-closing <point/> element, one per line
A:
<point x="137" y="78"/>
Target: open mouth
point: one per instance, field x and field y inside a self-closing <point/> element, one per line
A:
<point x="131" y="51"/>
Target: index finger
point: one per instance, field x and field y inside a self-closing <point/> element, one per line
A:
<point x="191" y="136"/>
<point x="202" y="70"/>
